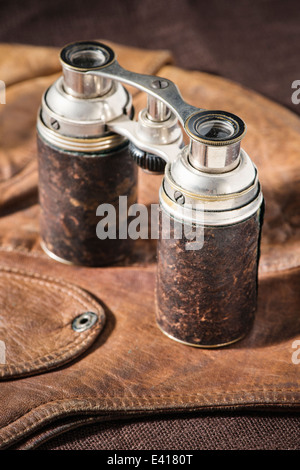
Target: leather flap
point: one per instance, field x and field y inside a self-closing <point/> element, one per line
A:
<point x="44" y="322"/>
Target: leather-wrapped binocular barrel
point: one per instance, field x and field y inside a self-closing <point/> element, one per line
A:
<point x="210" y="200"/>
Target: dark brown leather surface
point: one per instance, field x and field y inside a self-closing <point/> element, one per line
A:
<point x="228" y="254"/>
<point x="132" y="368"/>
<point x="107" y="176"/>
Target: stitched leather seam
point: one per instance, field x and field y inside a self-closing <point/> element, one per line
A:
<point x="11" y="370"/>
<point x="43" y="280"/>
<point x="66" y="348"/>
<point x="23" y="251"/>
<point x="48" y="285"/>
<point x="30" y="422"/>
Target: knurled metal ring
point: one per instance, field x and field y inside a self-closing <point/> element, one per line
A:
<point x="232" y="127"/>
<point x="98" y="55"/>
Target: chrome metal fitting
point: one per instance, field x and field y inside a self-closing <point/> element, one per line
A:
<point x="89" y="108"/>
<point x="215" y="138"/>
<point x="214" y="198"/>
<point x="216" y="179"/>
<point x="157" y="111"/>
<point x="78" y="58"/>
<point x="211" y="174"/>
<point x="158" y="132"/>
<point x="76" y="107"/>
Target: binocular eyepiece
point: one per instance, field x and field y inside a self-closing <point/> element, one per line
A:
<point x="78" y="58"/>
<point x="210" y="200"/>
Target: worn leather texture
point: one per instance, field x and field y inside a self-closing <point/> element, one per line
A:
<point x="131" y="368"/>
<point x="40" y="322"/>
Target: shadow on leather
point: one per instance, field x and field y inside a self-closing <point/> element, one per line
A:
<point x="277" y="319"/>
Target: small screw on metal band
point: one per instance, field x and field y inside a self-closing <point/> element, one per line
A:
<point x="159" y="84"/>
<point x="179" y="198"/>
<point x="54" y="124"/>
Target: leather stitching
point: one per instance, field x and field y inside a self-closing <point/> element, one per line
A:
<point x="29" y="423"/>
<point x="66" y="348"/>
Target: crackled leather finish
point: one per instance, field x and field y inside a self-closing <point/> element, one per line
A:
<point x="220" y="279"/>
<point x="133" y="368"/>
<point x="68" y="219"/>
<point x="37" y="312"/>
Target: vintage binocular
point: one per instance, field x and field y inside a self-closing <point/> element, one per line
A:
<point x="210" y="200"/>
